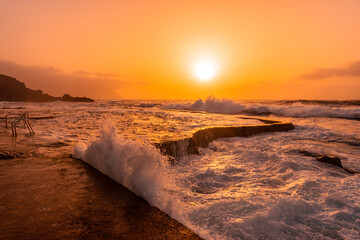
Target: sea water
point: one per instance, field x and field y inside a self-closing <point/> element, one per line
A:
<point x="259" y="187"/>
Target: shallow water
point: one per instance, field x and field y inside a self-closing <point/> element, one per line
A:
<point x="248" y="188"/>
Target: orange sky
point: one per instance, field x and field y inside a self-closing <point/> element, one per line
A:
<point x="146" y="49"/>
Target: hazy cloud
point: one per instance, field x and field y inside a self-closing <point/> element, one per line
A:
<point x="91" y="74"/>
<point x="57" y="82"/>
<point x="351" y="70"/>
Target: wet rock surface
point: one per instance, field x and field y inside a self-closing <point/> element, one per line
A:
<point x="62" y="198"/>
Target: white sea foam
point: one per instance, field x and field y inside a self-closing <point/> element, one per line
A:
<point x="148" y="105"/>
<point x="227" y="106"/>
<point x="262" y="188"/>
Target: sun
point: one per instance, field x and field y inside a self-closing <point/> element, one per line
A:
<point x="205" y="69"/>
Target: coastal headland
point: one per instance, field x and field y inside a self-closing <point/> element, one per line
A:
<point x="14" y="90"/>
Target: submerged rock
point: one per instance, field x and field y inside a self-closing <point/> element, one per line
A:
<point x="327" y="159"/>
<point x="4" y="155"/>
<point x="14" y="90"/>
<point x="330" y="159"/>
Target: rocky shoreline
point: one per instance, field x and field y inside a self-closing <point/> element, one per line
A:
<point x="16" y="91"/>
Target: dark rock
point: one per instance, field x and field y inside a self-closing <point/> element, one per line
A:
<point x="6" y="155"/>
<point x="351" y="171"/>
<point x="335" y="161"/>
<point x="330" y="159"/>
<point x="68" y="98"/>
<point x="14" y="90"/>
<point x="327" y="159"/>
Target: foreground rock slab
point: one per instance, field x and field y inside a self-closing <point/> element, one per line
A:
<point x="58" y="197"/>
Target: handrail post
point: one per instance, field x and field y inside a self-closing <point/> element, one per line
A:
<point x="25" y="117"/>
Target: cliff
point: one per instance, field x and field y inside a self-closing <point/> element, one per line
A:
<point x="14" y="90"/>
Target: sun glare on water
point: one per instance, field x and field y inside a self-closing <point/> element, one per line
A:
<point x="205" y="69"/>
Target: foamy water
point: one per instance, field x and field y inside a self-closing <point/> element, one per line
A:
<point x="215" y="105"/>
<point x="237" y="188"/>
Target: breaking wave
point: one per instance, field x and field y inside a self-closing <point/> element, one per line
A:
<point x="137" y="165"/>
<point x="226" y="106"/>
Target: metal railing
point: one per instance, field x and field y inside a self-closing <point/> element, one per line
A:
<point x="24" y="118"/>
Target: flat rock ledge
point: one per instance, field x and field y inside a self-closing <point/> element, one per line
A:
<point x="177" y="149"/>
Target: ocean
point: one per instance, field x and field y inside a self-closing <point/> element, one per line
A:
<point x="257" y="187"/>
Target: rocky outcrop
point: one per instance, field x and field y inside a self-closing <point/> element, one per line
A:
<point x="14" y="90"/>
<point x="333" y="160"/>
<point x="179" y="148"/>
<point x="68" y="98"/>
<point x="330" y="159"/>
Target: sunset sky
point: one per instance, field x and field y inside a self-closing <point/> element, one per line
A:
<point x="150" y="49"/>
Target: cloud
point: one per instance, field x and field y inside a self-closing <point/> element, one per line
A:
<point x="57" y="82"/>
<point x="91" y="74"/>
<point x="351" y="70"/>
